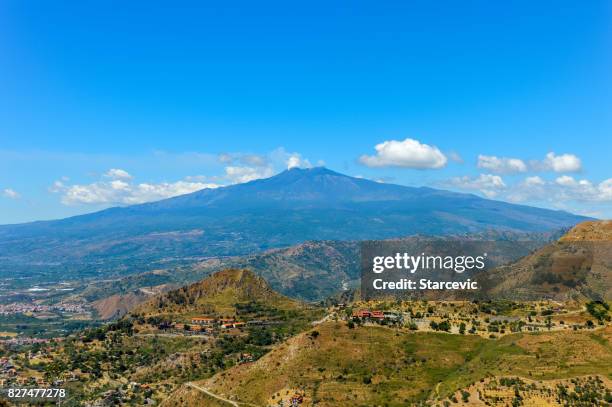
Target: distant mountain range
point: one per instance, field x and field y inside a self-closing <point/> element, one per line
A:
<point x="532" y="266"/>
<point x="292" y="207"/>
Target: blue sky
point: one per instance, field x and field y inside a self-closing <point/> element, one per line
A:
<point x="112" y="103"/>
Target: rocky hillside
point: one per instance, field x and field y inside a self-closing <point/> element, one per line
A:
<point x="308" y="271"/>
<point x="218" y="294"/>
<point x="117" y="305"/>
<point x="590" y="231"/>
<point x="577" y="266"/>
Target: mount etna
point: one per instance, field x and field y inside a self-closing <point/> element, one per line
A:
<point x="292" y="207"/>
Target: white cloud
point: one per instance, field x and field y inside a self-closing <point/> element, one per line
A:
<point x="295" y="160"/>
<point x="561" y="191"/>
<point x="605" y="190"/>
<point x="534" y="181"/>
<point x="241" y="167"/>
<point x="552" y="162"/>
<point x="119" y="185"/>
<point x="116" y="187"/>
<point x="10" y="193"/>
<point x="281" y="158"/>
<point x="238" y="175"/>
<point x="488" y="184"/>
<point x="123" y="191"/>
<point x="117" y="173"/>
<point x="562" y="163"/>
<point x="409" y="153"/>
<point x="530" y="188"/>
<point x="566" y="181"/>
<point x="501" y="165"/>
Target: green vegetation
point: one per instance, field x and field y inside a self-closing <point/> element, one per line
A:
<point x="370" y="365"/>
<point x="599" y="310"/>
<point x="30" y="326"/>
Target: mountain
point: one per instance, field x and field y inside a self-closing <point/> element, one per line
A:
<point x="577" y="266"/>
<point x="218" y="294"/>
<point x="292" y="207"/>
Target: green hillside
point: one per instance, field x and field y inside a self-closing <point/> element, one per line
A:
<point x="222" y="293"/>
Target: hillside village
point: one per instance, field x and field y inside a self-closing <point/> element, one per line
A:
<point x="487" y="319"/>
<point x="202" y="343"/>
<point x="208" y="344"/>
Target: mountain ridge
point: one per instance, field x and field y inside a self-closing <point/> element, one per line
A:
<point x="578" y="266"/>
<point x="294" y="206"/>
<point x="294" y="177"/>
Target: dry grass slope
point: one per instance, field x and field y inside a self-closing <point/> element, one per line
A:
<point x="577" y="267"/>
<point x="380" y="366"/>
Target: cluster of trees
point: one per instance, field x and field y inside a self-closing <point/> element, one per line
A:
<point x="496" y="307"/>
<point x="255" y="309"/>
<point x="122" y="326"/>
<point x="599" y="310"/>
<point x="590" y="392"/>
<point x="441" y="326"/>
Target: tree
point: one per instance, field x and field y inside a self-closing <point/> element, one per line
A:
<point x="444" y="326"/>
<point x="462" y="328"/>
<point x="598" y="309"/>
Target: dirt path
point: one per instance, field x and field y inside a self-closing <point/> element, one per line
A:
<point x="320" y="321"/>
<point x="213" y="395"/>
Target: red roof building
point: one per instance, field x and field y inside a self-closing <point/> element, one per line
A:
<point x="377" y="315"/>
<point x="362" y="313"/>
